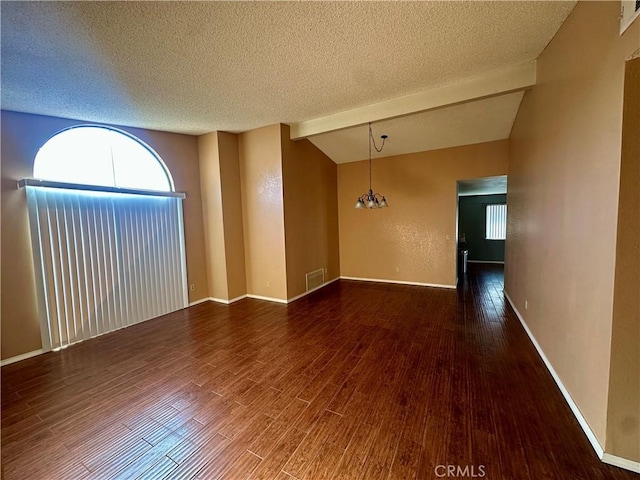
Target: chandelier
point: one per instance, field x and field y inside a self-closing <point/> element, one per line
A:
<point x="371" y="199"/>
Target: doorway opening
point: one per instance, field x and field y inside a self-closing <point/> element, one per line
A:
<point x="481" y="221"/>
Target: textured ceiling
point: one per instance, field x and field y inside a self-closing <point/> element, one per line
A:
<point x="195" y="67"/>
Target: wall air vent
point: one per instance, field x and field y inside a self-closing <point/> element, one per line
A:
<point x="315" y="279"/>
<point x="630" y="11"/>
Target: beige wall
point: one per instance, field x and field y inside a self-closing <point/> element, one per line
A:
<point x="212" y="218"/>
<point x="413" y="240"/>
<point x="623" y="418"/>
<point x="288" y="206"/>
<point x="232" y="213"/>
<point x="22" y="136"/>
<point x="564" y="171"/>
<point x="310" y="212"/>
<point x="260" y="153"/>
<point x="222" y="214"/>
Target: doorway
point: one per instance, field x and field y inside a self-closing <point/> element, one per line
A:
<point x="481" y="222"/>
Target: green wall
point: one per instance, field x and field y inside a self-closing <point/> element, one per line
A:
<point x="471" y="222"/>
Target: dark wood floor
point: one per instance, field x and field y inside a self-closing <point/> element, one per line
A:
<point x="356" y="381"/>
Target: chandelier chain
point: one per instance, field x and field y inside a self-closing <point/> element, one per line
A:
<point x="371" y="199"/>
<point x="373" y="140"/>
<point x="384" y="139"/>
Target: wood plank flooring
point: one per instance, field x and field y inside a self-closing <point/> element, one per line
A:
<point x="356" y="381"/>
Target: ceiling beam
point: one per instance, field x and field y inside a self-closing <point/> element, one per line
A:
<point x="499" y="82"/>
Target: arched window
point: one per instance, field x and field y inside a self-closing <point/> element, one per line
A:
<point x="101" y="156"/>
<point x="107" y="234"/>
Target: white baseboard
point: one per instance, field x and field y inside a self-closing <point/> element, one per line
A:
<point x="297" y="297"/>
<point x="567" y="396"/>
<point x="198" y="302"/>
<point x="621" y="462"/>
<point x="268" y="299"/>
<point x="228" y="302"/>
<point x="486" y="261"/>
<point x="292" y="299"/>
<point x="24" y="356"/>
<point x="236" y="299"/>
<point x="261" y="297"/>
<point x="398" y="282"/>
<point x="312" y="290"/>
<point x="217" y="300"/>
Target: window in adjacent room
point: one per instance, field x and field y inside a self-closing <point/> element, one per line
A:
<point x="496" y="221"/>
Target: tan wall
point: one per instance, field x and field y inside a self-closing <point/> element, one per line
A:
<point x="414" y="239"/>
<point x="232" y="213"/>
<point x="310" y="212"/>
<point x="260" y="153"/>
<point x="623" y="418"/>
<point x="222" y="214"/>
<point x="563" y="196"/>
<point x="212" y="217"/>
<point x="22" y="136"/>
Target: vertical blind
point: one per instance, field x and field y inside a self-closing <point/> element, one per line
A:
<point x="104" y="261"/>
<point x="496" y="226"/>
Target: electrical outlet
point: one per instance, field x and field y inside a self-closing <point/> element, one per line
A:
<point x="397" y="269"/>
<point x="526" y="305"/>
<point x="192" y="287"/>
<point x="268" y="284"/>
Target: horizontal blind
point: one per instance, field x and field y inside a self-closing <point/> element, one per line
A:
<point x="496" y="227"/>
<point x="104" y="261"/>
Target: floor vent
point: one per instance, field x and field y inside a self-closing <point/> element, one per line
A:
<point x="315" y="279"/>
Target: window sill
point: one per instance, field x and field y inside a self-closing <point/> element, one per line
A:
<point x="34" y="182"/>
